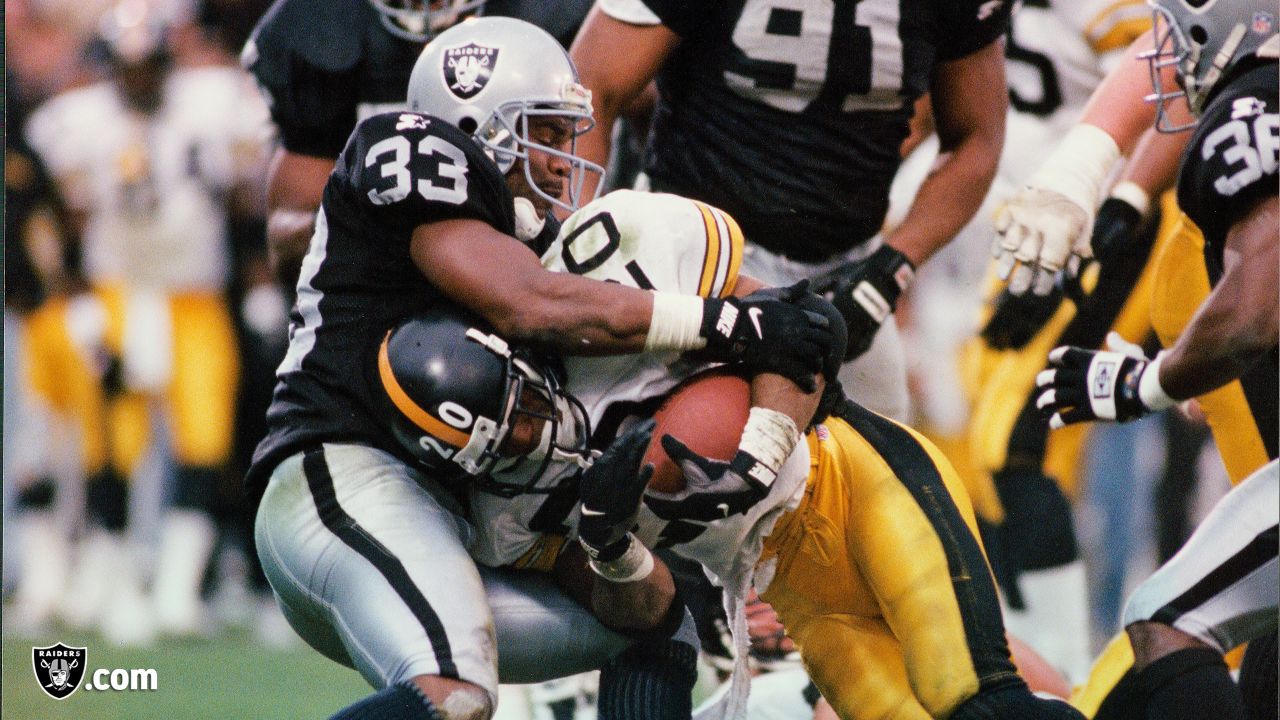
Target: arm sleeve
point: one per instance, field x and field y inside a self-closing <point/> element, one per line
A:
<point x="683" y="17"/>
<point x="967" y="26"/>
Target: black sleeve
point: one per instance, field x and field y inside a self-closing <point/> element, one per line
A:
<point x="405" y="169"/>
<point x="967" y="26"/>
<point x="304" y="55"/>
<point x="1230" y="164"/>
<point x="683" y="17"/>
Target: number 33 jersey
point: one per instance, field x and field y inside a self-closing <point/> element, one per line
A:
<point x="398" y="171"/>
<point x="789" y="114"/>
<point x="652" y="241"/>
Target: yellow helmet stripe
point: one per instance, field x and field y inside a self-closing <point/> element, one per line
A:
<point x="711" y="261"/>
<point x="423" y="419"/>
<point x="735" y="255"/>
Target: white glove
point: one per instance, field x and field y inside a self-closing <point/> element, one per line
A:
<point x="1046" y="224"/>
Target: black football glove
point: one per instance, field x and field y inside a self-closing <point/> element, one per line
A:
<point x="1018" y="318"/>
<point x="713" y="489"/>
<point x="610" y="492"/>
<point x="1115" y="227"/>
<point x="866" y="293"/>
<point x="1082" y="385"/>
<point x="768" y="332"/>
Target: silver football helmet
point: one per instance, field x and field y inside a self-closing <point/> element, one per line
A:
<point x="490" y="76"/>
<point x="1203" y="40"/>
<point x="420" y="20"/>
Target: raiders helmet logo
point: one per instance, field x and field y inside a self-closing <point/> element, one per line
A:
<point x="467" y="69"/>
<point x="59" y="669"/>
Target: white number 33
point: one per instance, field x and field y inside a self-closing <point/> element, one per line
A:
<point x="451" y="166"/>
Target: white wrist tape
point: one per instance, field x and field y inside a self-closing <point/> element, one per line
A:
<point x="676" y="323"/>
<point x="769" y="437"/>
<point x="1079" y="165"/>
<point x="635" y="564"/>
<point x="1149" y="390"/>
<point x="1132" y="193"/>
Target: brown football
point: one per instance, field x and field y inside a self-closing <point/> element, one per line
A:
<point x="707" y="412"/>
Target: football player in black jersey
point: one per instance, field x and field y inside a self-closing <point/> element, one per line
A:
<point x="325" y="64"/>
<point x="421" y="210"/>
<point x="1221" y="589"/>
<point x="790" y="117"/>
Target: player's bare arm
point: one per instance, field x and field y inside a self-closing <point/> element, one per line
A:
<point x="969" y="99"/>
<point x="615" y="78"/>
<point x="295" y="185"/>
<point x="1236" y="325"/>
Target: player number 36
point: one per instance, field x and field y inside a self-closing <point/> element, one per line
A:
<point x="1258" y="153"/>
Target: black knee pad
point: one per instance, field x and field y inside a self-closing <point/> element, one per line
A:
<point x="1258" y="679"/>
<point x="107" y="498"/>
<point x="37" y="496"/>
<point x="1190" y="684"/>
<point x="651" y="680"/>
<point x="1014" y="702"/>
<point x="1038" y="532"/>
<point x="195" y="488"/>
<point x="402" y="701"/>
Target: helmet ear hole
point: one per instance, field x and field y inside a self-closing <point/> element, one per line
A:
<point x="1198" y="34"/>
<point x="468" y="125"/>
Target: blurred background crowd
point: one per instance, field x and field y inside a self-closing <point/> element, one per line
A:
<point x="142" y="329"/>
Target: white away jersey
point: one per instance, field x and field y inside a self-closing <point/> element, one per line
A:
<point x="153" y="185"/>
<point x="652" y="241"/>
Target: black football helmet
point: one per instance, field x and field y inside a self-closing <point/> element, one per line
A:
<point x="455" y="390"/>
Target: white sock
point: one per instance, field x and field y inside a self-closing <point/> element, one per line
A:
<point x="1055" y="622"/>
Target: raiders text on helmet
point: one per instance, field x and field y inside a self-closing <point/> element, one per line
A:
<point x="456" y="392"/>
<point x="1204" y="40"/>
<point x="490" y="76"/>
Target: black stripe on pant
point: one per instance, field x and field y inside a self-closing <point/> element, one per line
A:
<point x="1260" y="550"/>
<point x="357" y="538"/>
<point x="975" y="591"/>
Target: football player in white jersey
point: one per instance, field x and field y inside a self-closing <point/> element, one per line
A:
<point x="150" y="163"/>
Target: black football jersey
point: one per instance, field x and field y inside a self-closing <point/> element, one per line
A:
<point x="1229" y="166"/>
<point x="1230" y="163"/>
<point x="790" y="115"/>
<point x="398" y="171"/>
<point x="324" y="65"/>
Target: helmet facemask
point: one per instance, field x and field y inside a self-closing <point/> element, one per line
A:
<point x="535" y="395"/>
<point x="420" y="20"/>
<point x="505" y="135"/>
<point x="1172" y="49"/>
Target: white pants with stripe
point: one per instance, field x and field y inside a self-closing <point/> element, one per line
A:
<point x="877" y="379"/>
<point x="1223" y="587"/>
<point x="368" y="560"/>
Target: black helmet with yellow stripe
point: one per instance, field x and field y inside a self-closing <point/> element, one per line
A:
<point x="465" y="403"/>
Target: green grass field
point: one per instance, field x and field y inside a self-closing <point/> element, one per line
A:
<point x="227" y="677"/>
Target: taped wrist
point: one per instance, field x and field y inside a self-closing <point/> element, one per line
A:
<point x="1149" y="390"/>
<point x="1079" y="165"/>
<point x="769" y="437"/>
<point x="676" y="323"/>
<point x="1133" y="194"/>
<point x="633" y="565"/>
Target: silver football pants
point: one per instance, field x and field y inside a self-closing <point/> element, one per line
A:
<point x="368" y="560"/>
<point x="1223" y="587"/>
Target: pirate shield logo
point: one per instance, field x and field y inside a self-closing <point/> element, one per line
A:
<point x="467" y="69"/>
<point x="59" y="669"/>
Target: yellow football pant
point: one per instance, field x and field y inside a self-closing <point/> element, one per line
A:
<point x="881" y="579"/>
<point x="199" y="398"/>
